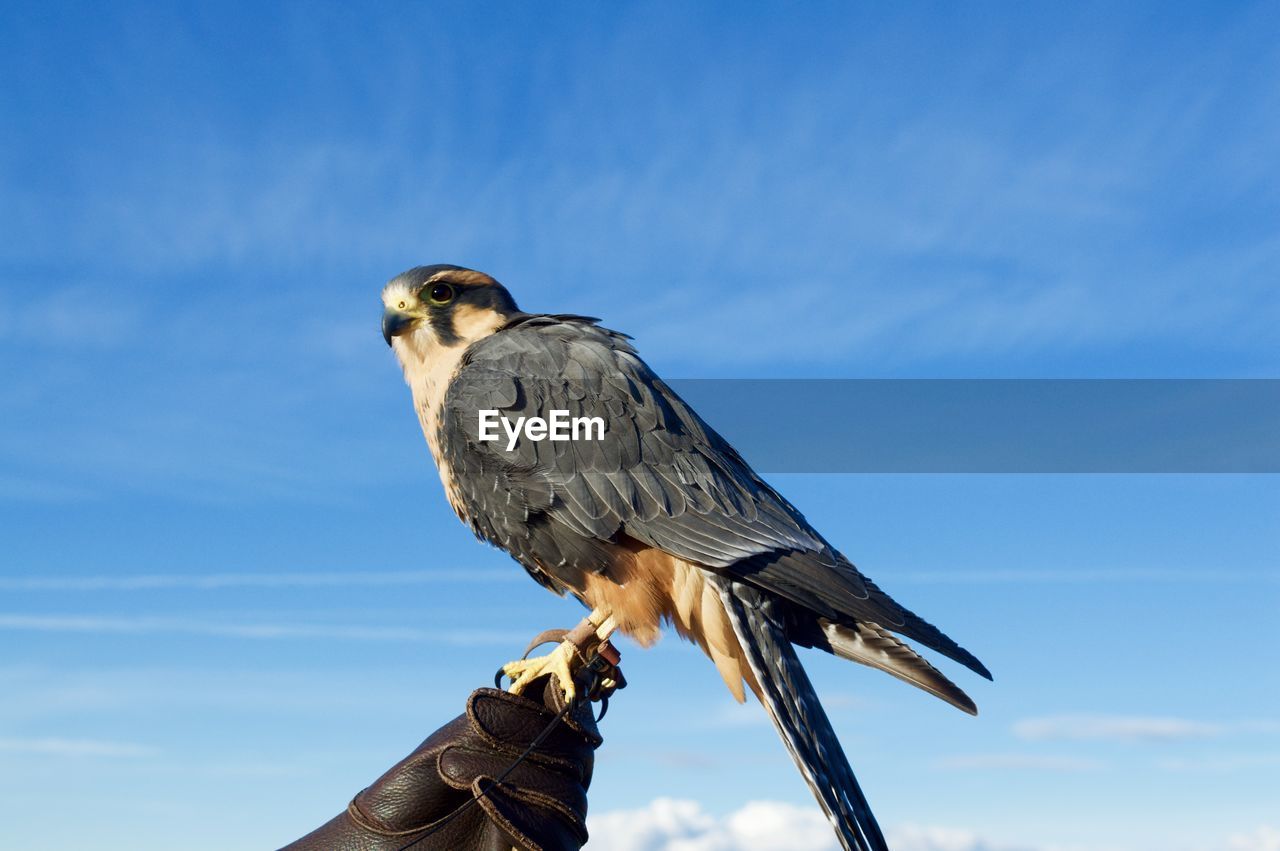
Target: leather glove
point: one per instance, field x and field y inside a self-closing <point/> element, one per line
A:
<point x="541" y="806"/>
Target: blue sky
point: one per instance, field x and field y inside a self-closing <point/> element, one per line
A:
<point x="229" y="581"/>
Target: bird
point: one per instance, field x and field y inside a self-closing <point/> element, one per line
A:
<point x="660" y="522"/>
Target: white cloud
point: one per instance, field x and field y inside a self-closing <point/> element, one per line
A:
<point x="676" y="825"/>
<point x="74" y="748"/>
<point x="1263" y="839"/>
<point x="667" y="824"/>
<point x="681" y="825"/>
<point x="1112" y="727"/>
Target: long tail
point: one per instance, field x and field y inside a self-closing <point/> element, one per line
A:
<point x="793" y="706"/>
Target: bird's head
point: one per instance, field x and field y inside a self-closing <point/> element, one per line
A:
<point x="446" y="306"/>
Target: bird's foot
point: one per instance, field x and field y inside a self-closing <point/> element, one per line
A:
<point x="585" y="646"/>
<point x="560" y="662"/>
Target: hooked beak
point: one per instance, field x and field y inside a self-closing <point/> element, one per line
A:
<point x="394" y="323"/>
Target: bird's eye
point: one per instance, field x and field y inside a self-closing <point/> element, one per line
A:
<point x="441" y="294"/>
<point x="401" y="306"/>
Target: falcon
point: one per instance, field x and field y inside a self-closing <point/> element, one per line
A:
<point x="661" y="521"/>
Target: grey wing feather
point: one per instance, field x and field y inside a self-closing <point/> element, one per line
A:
<point x="660" y="476"/>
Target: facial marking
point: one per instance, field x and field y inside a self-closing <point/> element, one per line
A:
<point x="464" y="277"/>
<point x="470" y="322"/>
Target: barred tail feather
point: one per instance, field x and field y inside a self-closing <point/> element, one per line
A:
<point x="870" y="645"/>
<point x="793" y="706"/>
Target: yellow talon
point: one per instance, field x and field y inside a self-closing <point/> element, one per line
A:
<point x="559" y="662"/>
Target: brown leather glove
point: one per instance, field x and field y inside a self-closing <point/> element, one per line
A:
<point x="541" y="806"/>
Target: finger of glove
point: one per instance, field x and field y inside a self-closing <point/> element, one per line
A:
<point x="530" y="821"/>
<point x="461" y="766"/>
<point x="581" y="717"/>
<point x="501" y="721"/>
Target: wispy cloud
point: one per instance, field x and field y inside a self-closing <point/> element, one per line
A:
<point x="1222" y="763"/>
<point x="923" y="321"/>
<point x="218" y="629"/>
<point x="928" y="838"/>
<point x="1027" y="761"/>
<point x="918" y="209"/>
<point x="216" y="581"/>
<point x="1074" y="576"/>
<point x="1104" y="727"/>
<point x="75" y="748"/>
<point x="1264" y="838"/>
<point x="731" y="715"/>
<point x="43" y="696"/>
<point x="23" y="490"/>
<point x="75" y="317"/>
<point x="1097" y="727"/>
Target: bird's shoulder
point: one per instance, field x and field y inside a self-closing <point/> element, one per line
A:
<point x="561" y="361"/>
<point x="527" y="341"/>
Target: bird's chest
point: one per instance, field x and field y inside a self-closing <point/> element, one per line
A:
<point x="429" y="414"/>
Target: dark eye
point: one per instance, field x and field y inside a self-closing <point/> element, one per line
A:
<point x="441" y="294"/>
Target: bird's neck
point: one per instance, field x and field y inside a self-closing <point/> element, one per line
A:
<point x="429" y="366"/>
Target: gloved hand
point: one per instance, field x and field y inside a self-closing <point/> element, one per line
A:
<point x="541" y="806"/>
